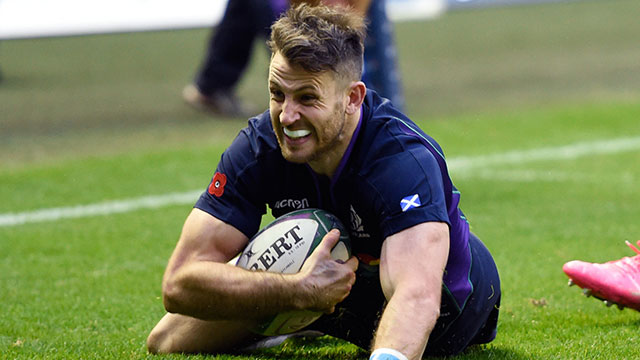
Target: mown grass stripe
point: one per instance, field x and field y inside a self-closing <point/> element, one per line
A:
<point x="567" y="152"/>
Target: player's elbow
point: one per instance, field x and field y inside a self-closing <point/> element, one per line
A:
<point x="423" y="299"/>
<point x="171" y="295"/>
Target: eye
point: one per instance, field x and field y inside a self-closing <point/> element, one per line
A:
<point x="276" y="95"/>
<point x="307" y="98"/>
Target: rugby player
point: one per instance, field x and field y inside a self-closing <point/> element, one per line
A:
<point x="420" y="282"/>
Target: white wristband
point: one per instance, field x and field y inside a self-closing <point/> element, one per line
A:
<point x="387" y="354"/>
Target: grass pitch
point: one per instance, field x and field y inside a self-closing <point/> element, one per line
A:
<point x="91" y="119"/>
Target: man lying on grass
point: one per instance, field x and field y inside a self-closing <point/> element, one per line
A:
<point x="420" y="283"/>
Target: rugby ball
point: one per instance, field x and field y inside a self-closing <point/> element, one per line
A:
<point x="283" y="246"/>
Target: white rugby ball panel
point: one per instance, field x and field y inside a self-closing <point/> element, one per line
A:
<point x="288" y="322"/>
<point x="282" y="247"/>
<point x="340" y="252"/>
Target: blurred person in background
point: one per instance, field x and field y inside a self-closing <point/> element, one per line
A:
<point x="614" y="282"/>
<point x="230" y="46"/>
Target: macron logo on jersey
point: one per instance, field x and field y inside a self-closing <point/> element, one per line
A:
<point x="410" y="202"/>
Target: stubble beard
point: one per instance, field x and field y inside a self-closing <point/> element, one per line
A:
<point x="329" y="141"/>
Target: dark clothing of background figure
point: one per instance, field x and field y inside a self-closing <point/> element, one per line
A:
<point x="231" y="44"/>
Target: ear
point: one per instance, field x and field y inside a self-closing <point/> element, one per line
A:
<point x="356" y="93"/>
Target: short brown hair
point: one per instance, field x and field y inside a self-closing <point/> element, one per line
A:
<point x="320" y="38"/>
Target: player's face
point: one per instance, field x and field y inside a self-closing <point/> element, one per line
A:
<point x="307" y="113"/>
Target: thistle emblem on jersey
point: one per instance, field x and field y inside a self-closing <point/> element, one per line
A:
<point x="357" y="229"/>
<point x="356" y="220"/>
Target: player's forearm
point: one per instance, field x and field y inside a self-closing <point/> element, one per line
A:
<point x="407" y="322"/>
<point x="216" y="291"/>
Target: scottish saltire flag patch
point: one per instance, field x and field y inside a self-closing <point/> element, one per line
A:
<point x="410" y="202"/>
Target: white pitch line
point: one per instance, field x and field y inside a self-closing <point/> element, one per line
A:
<point x="103" y="208"/>
<point x="566" y="152"/>
<point x="622" y="178"/>
<point x="520" y="175"/>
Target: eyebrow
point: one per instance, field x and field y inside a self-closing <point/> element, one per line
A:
<point x="273" y="84"/>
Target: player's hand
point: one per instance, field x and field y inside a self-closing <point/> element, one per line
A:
<point x="325" y="281"/>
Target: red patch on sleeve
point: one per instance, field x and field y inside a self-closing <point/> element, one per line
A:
<point x="217" y="184"/>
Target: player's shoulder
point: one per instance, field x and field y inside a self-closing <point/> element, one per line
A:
<point x="388" y="132"/>
<point x="255" y="148"/>
<point x="257" y="138"/>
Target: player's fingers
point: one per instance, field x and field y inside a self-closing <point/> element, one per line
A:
<point x="329" y="241"/>
<point x="330" y="310"/>
<point x="353" y="263"/>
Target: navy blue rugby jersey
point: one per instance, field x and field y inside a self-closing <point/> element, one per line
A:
<point x="392" y="176"/>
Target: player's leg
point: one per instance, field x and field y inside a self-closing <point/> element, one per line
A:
<point x="356" y="317"/>
<point x="228" y="54"/>
<point x="231" y="44"/>
<point x="614" y="282"/>
<point x="477" y="323"/>
<point x="177" y="333"/>
<point x="380" y="56"/>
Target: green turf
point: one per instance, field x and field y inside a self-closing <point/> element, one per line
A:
<point x="91" y="119"/>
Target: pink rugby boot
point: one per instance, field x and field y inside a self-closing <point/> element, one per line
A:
<point x="614" y="282"/>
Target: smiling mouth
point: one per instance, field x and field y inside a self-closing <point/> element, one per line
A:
<point x="296" y="134"/>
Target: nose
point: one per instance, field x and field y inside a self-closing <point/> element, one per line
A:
<point x="289" y="113"/>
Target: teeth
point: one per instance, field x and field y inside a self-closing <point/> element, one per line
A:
<point x="294" y="134"/>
